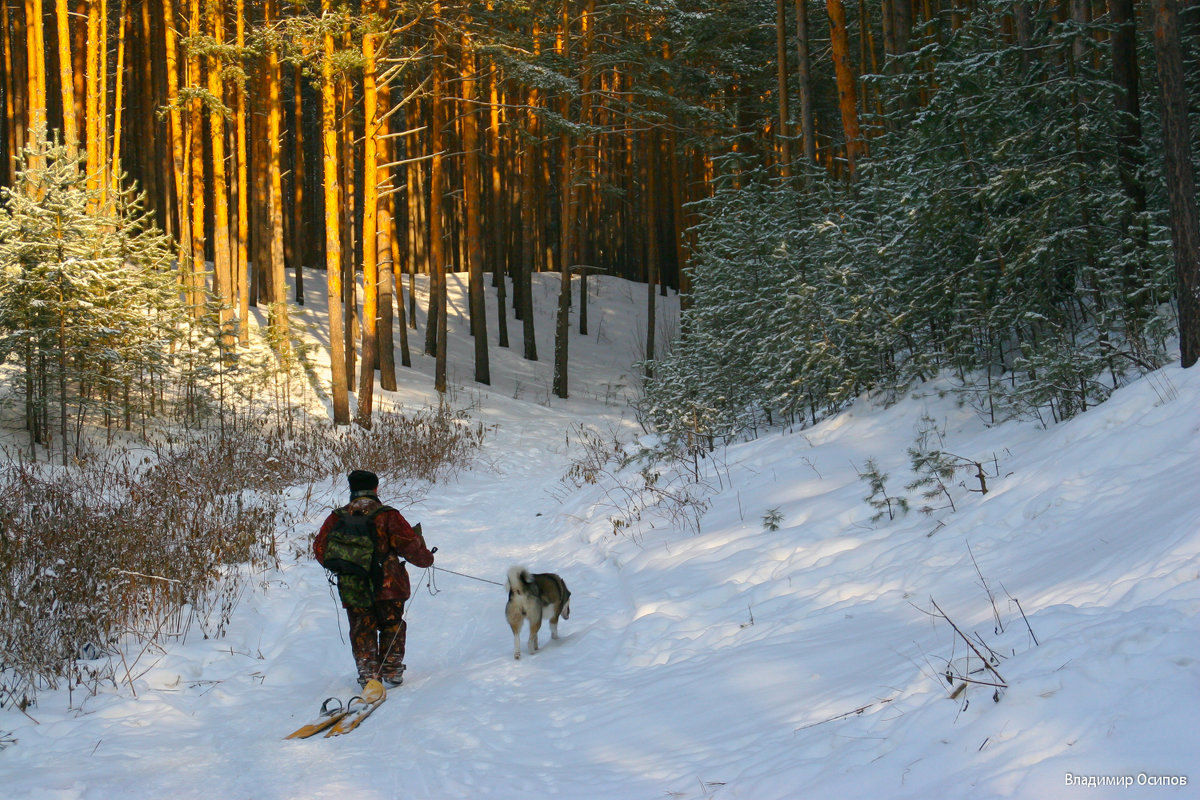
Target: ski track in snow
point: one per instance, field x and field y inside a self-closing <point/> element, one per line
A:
<point x="724" y="663"/>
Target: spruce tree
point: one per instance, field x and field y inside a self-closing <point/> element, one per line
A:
<point x="88" y="304"/>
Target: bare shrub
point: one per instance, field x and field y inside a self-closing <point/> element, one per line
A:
<point x="103" y="553"/>
<point x="120" y="549"/>
<point x="641" y="485"/>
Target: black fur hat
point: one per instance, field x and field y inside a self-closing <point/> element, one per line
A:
<point x="361" y="479"/>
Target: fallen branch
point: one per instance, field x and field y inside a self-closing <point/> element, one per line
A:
<point x="853" y="713"/>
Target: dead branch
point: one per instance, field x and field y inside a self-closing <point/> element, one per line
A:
<point x="970" y="644"/>
<point x="853" y="713"/>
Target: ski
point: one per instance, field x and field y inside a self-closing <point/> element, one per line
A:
<point x="328" y="717"/>
<point x="358" y="709"/>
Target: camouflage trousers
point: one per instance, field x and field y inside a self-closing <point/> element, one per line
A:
<point x="377" y="635"/>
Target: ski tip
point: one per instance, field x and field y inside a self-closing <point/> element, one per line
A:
<point x="373" y="691"/>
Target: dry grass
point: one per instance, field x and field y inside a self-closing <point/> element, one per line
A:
<point x="112" y="552"/>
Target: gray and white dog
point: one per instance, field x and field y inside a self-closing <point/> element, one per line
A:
<point x="529" y="594"/>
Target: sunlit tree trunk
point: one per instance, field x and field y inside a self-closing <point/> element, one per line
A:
<point x="349" y="234"/>
<point x="366" y="384"/>
<point x="66" y="77"/>
<point x="301" y="251"/>
<point x="333" y="235"/>
<point x="102" y="145"/>
<point x="92" y="121"/>
<point x="119" y="92"/>
<point x="35" y="65"/>
<point x="222" y="270"/>
<point x="278" y="269"/>
<point x="241" y="257"/>
<point x="384" y="260"/>
<point x="175" y="119"/>
<point x="196" y="124"/>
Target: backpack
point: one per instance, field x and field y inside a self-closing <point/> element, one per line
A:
<point x="350" y="555"/>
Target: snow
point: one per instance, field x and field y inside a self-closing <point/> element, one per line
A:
<point x="728" y="662"/>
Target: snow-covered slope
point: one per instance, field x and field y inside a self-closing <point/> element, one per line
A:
<point x="729" y="662"/>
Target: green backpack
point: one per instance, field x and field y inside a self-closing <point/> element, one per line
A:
<point x="350" y="555"/>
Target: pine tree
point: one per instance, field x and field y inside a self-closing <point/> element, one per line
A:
<point x="88" y="303"/>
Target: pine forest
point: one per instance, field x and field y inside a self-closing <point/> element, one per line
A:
<point x="839" y="355"/>
<point x="848" y="196"/>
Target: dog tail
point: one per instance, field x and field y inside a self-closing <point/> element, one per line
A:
<point x="518" y="577"/>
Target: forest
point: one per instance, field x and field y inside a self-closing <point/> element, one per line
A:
<point x="848" y="196"/>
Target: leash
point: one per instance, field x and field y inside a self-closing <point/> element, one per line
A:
<point x="465" y="575"/>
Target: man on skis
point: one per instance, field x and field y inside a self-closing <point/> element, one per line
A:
<point x="375" y="607"/>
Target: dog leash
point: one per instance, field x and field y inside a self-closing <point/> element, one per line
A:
<point x="464" y="575"/>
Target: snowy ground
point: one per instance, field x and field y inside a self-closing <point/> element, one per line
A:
<point x="725" y="663"/>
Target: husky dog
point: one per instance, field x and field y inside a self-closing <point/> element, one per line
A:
<point x="530" y="593"/>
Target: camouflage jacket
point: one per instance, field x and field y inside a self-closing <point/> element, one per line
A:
<point x="395" y="540"/>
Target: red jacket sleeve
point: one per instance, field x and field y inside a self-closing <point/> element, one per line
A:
<point x="322" y="537"/>
<point x="404" y="541"/>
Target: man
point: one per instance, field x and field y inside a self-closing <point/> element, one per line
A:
<point x="377" y="626"/>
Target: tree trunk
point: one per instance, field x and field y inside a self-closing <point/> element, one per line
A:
<point x="222" y="269"/>
<point x="498" y="201"/>
<point x="808" y="136"/>
<point x="652" y="254"/>
<point x="1181" y="187"/>
<point x="301" y="253"/>
<point x="435" y="340"/>
<point x="349" y="233"/>
<point x="241" y="267"/>
<point x="577" y="216"/>
<point x="570" y="196"/>
<point x="102" y="104"/>
<point x="902" y="16"/>
<point x="118" y="94"/>
<point x="783" y="136"/>
<point x="333" y="233"/>
<point x="196" y="125"/>
<point x="1125" y="78"/>
<point x="8" y="79"/>
<point x="525" y="290"/>
<point x="178" y="148"/>
<point x="66" y="77"/>
<point x="384" y="259"/>
<point x="366" y="384"/>
<point x="416" y="215"/>
<point x="846" y="82"/>
<point x="472" y="192"/>
<point x="91" y="122"/>
<point x="398" y="287"/>
<point x="278" y="269"/>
